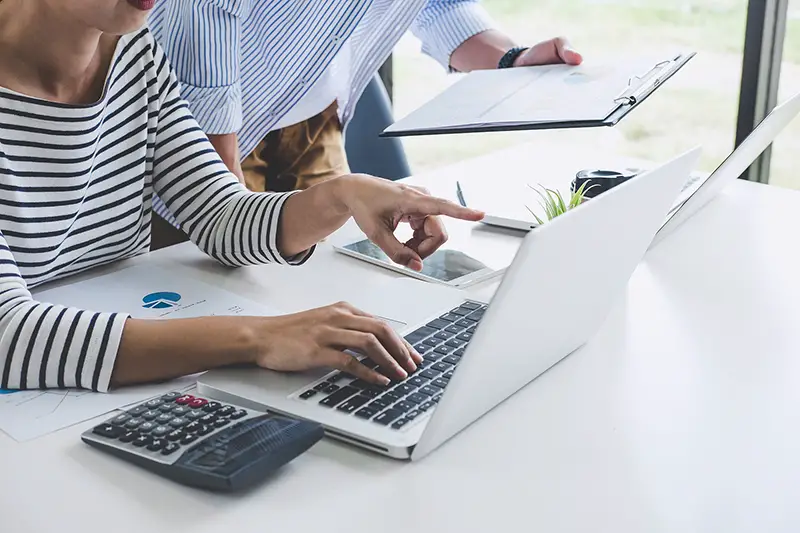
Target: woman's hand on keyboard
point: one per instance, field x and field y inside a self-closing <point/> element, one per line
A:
<point x="318" y="338"/>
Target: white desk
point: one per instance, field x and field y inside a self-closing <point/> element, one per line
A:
<point x="682" y="415"/>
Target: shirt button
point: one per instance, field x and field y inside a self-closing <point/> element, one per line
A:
<point x="334" y="39"/>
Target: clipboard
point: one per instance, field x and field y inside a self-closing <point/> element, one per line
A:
<point x="443" y="115"/>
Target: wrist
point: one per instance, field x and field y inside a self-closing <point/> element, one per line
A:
<point x="341" y="194"/>
<point x="511" y="58"/>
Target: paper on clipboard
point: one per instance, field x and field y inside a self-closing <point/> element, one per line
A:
<point x="541" y="95"/>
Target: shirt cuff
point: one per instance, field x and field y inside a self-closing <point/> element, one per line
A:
<point x="218" y="110"/>
<point x="446" y="29"/>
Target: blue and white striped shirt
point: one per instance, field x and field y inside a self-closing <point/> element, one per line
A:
<point x="244" y="64"/>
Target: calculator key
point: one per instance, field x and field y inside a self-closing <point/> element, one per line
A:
<point x="210" y="407"/>
<point x="185" y="399"/>
<point x="160" y="431"/>
<point x="163" y="418"/>
<point x="152" y="404"/>
<point x="366" y="412"/>
<point x="176" y="434"/>
<point x="222" y="422"/>
<point x="171" y="396"/>
<point x="352" y="404"/>
<point x="387" y="417"/>
<point x="120" y="419"/>
<point x="197" y="403"/>
<point x="225" y="411"/>
<point x="308" y="394"/>
<point x="169" y="448"/>
<point x="195" y="415"/>
<point x="205" y="429"/>
<point x="188" y="439"/>
<point x="191" y="427"/>
<point x="109" y="431"/>
<point x="138" y="410"/>
<point x="128" y="436"/>
<point x="417" y="398"/>
<point x="178" y="422"/>
<point x="142" y="440"/>
<point x="181" y="410"/>
<point x="236" y="415"/>
<point x="133" y="423"/>
<point x="428" y="390"/>
<point x="167" y="407"/>
<point x="150" y="414"/>
<point x="208" y="419"/>
<point x="400" y="423"/>
<point x="146" y="427"/>
<point x="156" y="444"/>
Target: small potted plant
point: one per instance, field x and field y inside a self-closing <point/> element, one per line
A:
<point x="553" y="203"/>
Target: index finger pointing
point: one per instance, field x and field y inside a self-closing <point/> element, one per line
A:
<point x="438" y="206"/>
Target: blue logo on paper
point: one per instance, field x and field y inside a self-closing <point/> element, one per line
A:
<point x="161" y="300"/>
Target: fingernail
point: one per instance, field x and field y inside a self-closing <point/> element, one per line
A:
<point x="385" y="380"/>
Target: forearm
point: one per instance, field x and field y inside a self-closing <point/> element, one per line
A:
<point x="312" y="215"/>
<point x="155" y="350"/>
<point x="481" y="51"/>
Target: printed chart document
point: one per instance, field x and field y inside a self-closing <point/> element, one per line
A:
<point x="143" y="291"/>
<point x="540" y="97"/>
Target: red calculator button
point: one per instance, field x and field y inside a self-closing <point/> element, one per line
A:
<point x="197" y="403"/>
<point x="186" y="398"/>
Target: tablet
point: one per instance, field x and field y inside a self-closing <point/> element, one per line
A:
<point x="445" y="266"/>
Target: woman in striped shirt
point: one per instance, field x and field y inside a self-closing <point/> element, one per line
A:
<point x="91" y="127"/>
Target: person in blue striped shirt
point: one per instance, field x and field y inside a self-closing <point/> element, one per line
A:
<point x="272" y="83"/>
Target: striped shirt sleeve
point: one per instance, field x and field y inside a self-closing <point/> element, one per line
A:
<point x="234" y="226"/>
<point x="443" y="25"/>
<point x="202" y="40"/>
<point x="49" y="346"/>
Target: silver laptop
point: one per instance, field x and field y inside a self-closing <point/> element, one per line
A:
<point x="562" y="284"/>
<point x="701" y="190"/>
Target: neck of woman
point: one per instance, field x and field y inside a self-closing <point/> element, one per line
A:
<point x="47" y="55"/>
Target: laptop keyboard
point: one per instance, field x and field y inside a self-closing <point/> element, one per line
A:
<point x="441" y="343"/>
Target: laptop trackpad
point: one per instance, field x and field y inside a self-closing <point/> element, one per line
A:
<point x="406" y="302"/>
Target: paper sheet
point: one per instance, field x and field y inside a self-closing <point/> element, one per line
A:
<point x="143" y="291"/>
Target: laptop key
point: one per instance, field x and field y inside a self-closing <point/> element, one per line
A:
<point x="448" y="375"/>
<point x="338" y="397"/>
<point x="330" y="388"/>
<point x="321" y="386"/>
<point x="308" y="394"/>
<point x="352" y="404"/>
<point x="461" y="312"/>
<point x="432" y="342"/>
<point x="403" y="389"/>
<point x="441" y="383"/>
<point x="459" y="352"/>
<point x="444" y="349"/>
<point x="390" y="397"/>
<point x="388" y="416"/>
<point x="417" y="381"/>
<point x="417" y="398"/>
<point x="464" y="323"/>
<point x="367" y="412"/>
<point x="404" y="406"/>
<point x="400" y="423"/>
<point x="438" y="324"/>
<point x="454" y="329"/>
<point x="443" y="336"/>
<point x="441" y="366"/>
<point x="471" y="306"/>
<point x="471" y="330"/>
<point x="411" y="416"/>
<point x="428" y="390"/>
<point x="380" y="403"/>
<point x="455" y="343"/>
<point x="425" y="406"/>
<point x="339" y="376"/>
<point x="466" y="337"/>
<point x="450" y="317"/>
<point x="370" y="393"/>
<point x="415" y="336"/>
<point x="422" y="349"/>
<point x="452" y="359"/>
<point x="430" y="373"/>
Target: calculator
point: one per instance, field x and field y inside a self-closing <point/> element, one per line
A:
<point x="203" y="443"/>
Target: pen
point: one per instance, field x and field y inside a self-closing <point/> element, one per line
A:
<point x="460" y="195"/>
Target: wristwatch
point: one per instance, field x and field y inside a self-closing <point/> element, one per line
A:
<point x="507" y="61"/>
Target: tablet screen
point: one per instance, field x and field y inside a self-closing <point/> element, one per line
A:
<point x="443" y="265"/>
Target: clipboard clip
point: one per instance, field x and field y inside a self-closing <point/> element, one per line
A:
<point x="638" y="86"/>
